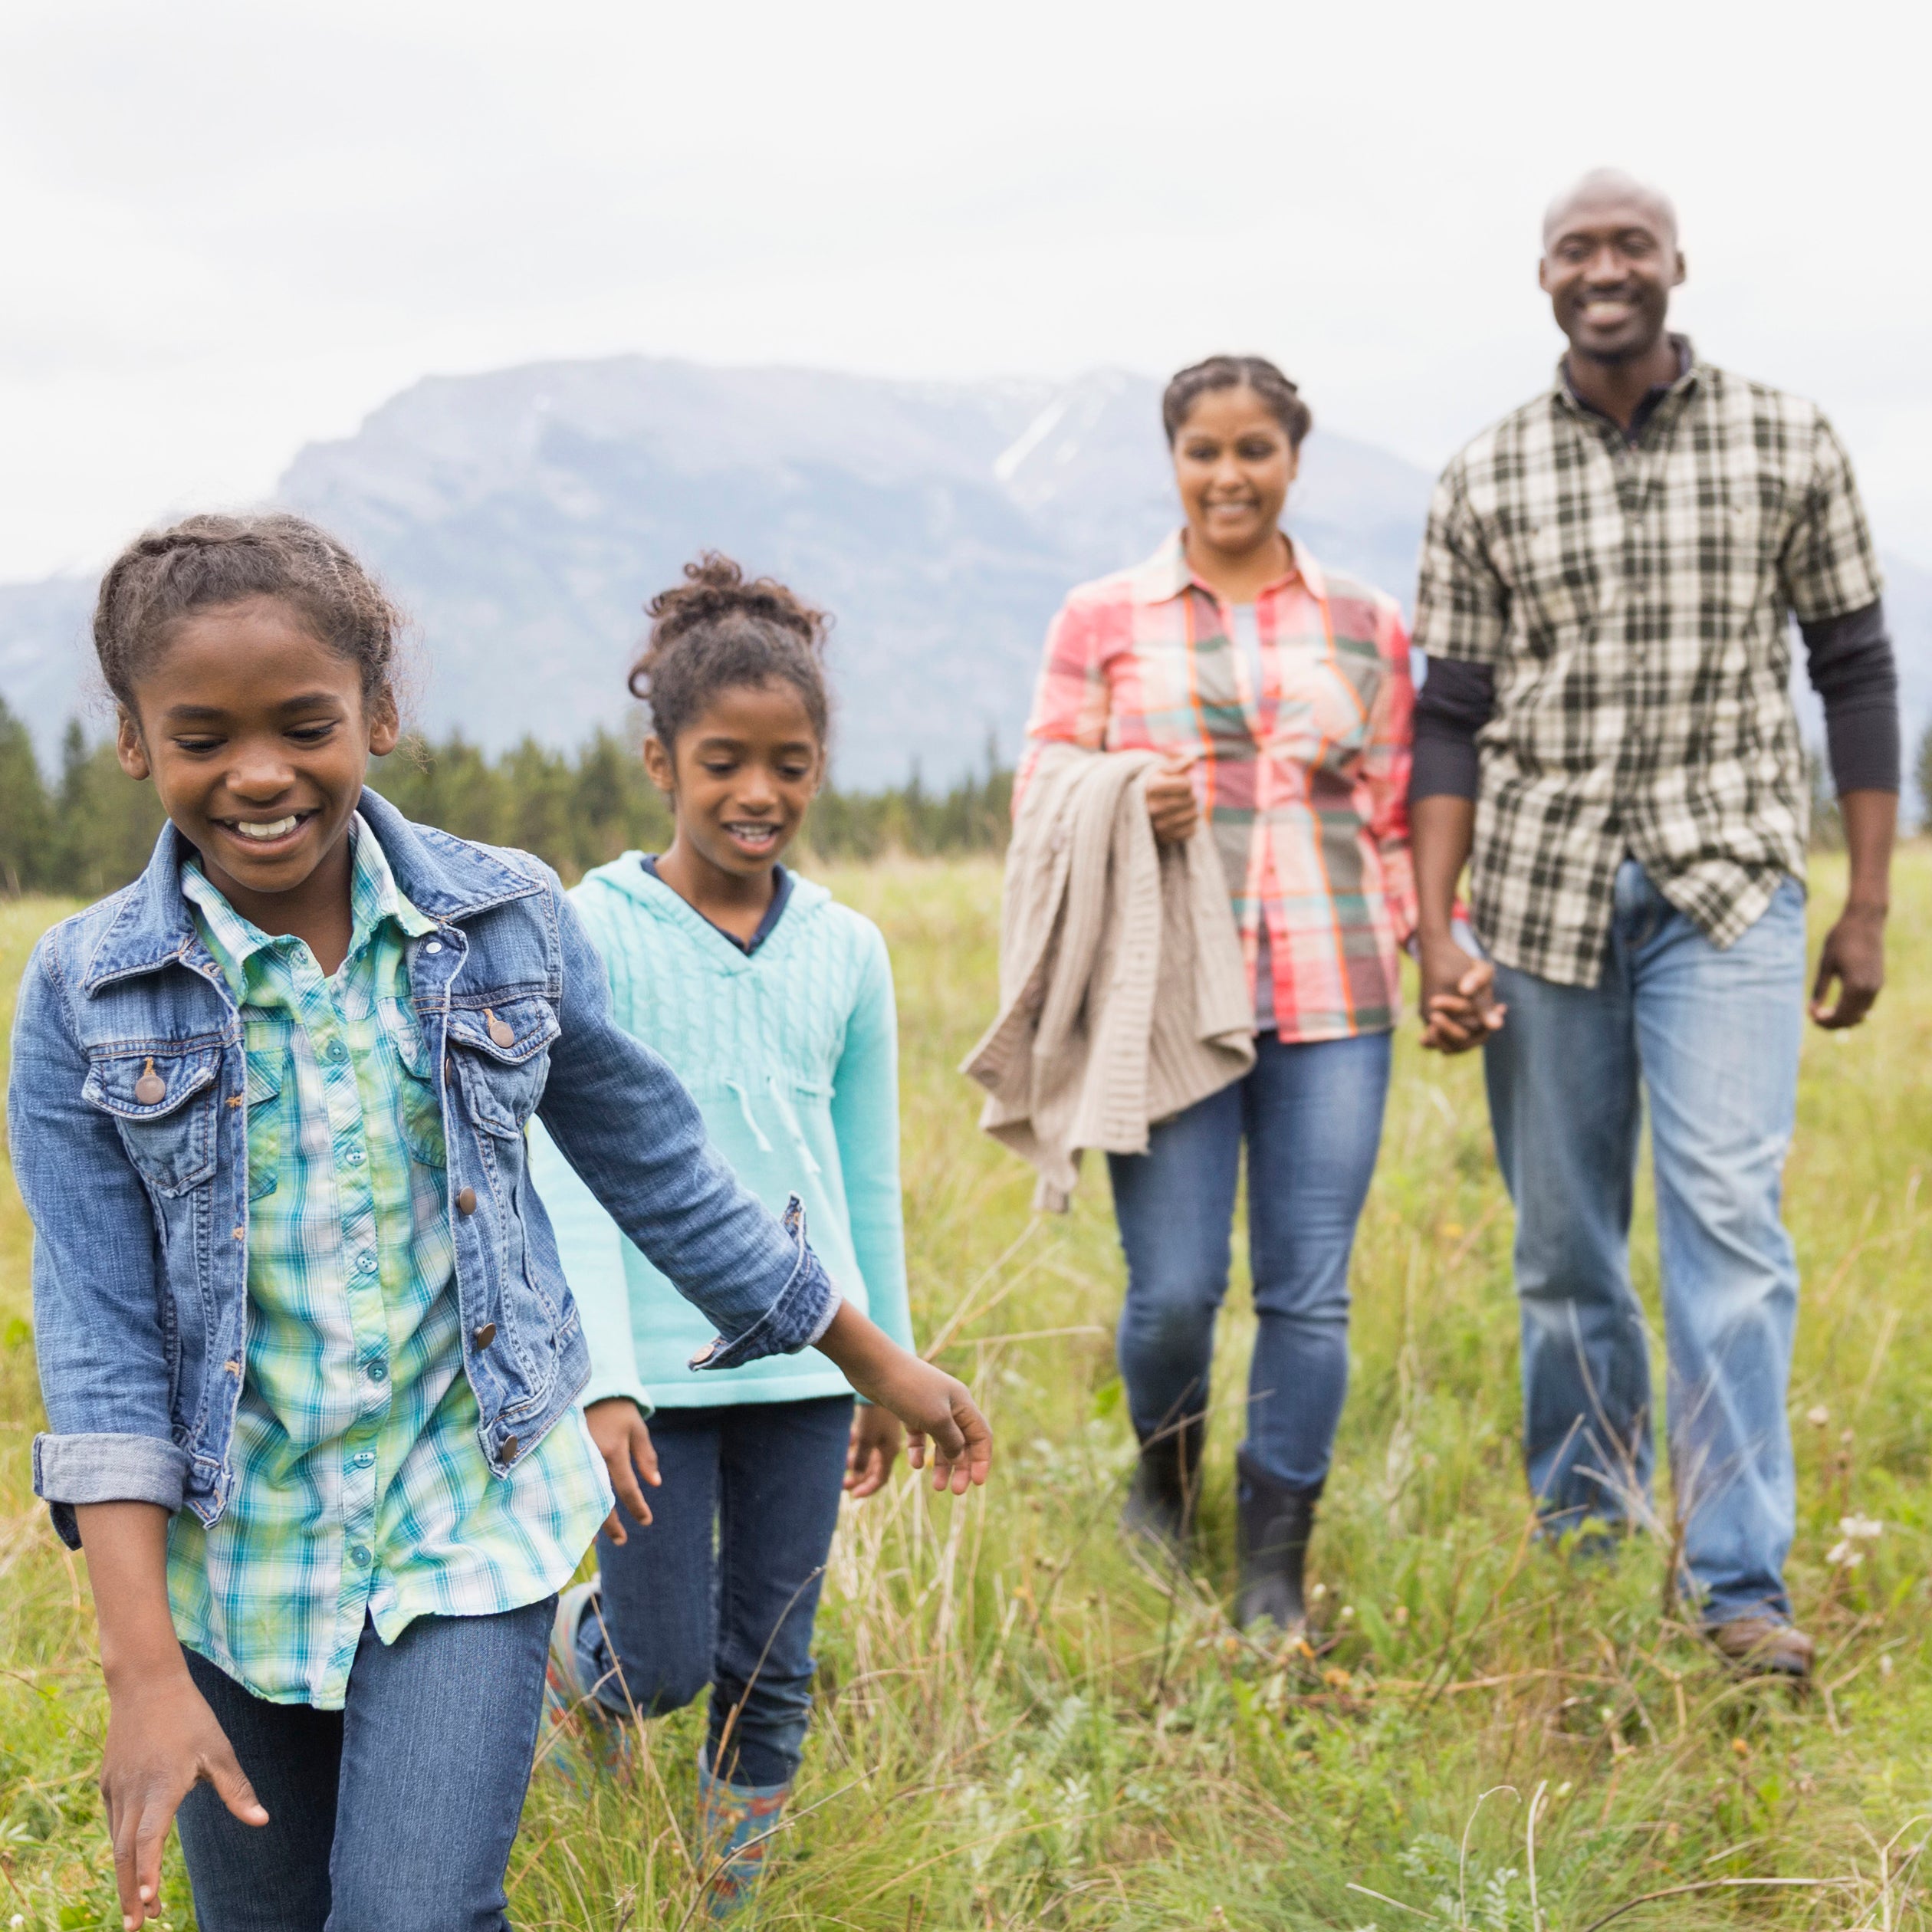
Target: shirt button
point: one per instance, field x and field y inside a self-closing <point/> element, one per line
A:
<point x="379" y="1371"/>
<point x="355" y="1157"/>
<point x="365" y="1264"/>
<point x="359" y="1555"/>
<point x="466" y="1201"/>
<point x="365" y="1458"/>
<point x="337" y="1051"/>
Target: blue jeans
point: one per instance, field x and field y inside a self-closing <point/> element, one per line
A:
<point x="722" y="1587"/>
<point x="1713" y="1037"/>
<point x="1312" y="1117"/>
<point x="396" y="1814"/>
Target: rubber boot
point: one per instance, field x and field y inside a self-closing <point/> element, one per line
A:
<point x="1273" y="1522"/>
<point x="585" y="1740"/>
<point x="1167" y="1485"/>
<point x="735" y="1824"/>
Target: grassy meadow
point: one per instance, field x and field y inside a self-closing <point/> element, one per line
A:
<point x="1022" y="1724"/>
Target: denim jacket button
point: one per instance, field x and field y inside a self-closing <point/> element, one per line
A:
<point x="510" y="1445"/>
<point x="484" y="1335"/>
<point x="500" y="1032"/>
<point x="466" y="1201"/>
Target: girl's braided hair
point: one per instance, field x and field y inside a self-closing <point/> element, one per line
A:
<point x="1256" y="373"/>
<point x="204" y="561"/>
<point x="715" y="631"/>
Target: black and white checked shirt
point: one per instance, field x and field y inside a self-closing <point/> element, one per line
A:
<point x="1634" y="601"/>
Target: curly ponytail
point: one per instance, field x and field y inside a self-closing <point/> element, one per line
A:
<point x="716" y="631"/>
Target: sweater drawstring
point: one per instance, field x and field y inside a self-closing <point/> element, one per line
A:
<point x="782" y="1101"/>
<point x="751" y="1119"/>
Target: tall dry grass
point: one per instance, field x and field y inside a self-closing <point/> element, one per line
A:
<point x="1021" y="1723"/>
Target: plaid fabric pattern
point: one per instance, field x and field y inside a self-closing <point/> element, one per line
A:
<point x="361" y="1489"/>
<point x="1635" y="603"/>
<point x="1304" y="781"/>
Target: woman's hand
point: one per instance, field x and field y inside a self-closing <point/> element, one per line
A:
<point x="930" y="1402"/>
<point x="878" y="1435"/>
<point x="163" y="1740"/>
<point x="618" y="1430"/>
<point x="1171" y="807"/>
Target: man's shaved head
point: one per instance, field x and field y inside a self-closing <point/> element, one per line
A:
<point x="1603" y="188"/>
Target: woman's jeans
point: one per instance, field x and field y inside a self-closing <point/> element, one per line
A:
<point x="395" y="1814"/>
<point x="1312" y="1115"/>
<point x="722" y="1586"/>
<point x="1713" y="1036"/>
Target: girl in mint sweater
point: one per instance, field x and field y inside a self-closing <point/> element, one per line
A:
<point x="774" y="1005"/>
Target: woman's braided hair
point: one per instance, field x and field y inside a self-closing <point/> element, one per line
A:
<point x="717" y="631"/>
<point x="1256" y="373"/>
<point x="202" y="562"/>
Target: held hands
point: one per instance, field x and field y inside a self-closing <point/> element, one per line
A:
<point x="1171" y="805"/>
<point x="618" y="1430"/>
<point x="878" y="1435"/>
<point x="162" y="1739"/>
<point x="1460" y="1008"/>
<point x="1854" y="955"/>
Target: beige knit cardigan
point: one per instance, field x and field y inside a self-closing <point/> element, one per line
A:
<point x="1123" y="994"/>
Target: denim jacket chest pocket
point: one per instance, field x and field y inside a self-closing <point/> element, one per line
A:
<point x="164" y="1103"/>
<point x="500" y="1059"/>
<point x="421" y="1106"/>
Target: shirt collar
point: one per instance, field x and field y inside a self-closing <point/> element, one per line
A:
<point x="1654" y="397"/>
<point x="374" y="897"/>
<point x="1167" y="573"/>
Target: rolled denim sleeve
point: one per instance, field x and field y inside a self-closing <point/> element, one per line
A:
<point x="98" y="1336"/>
<point x="623" y="1119"/>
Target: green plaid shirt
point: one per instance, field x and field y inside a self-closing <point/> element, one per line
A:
<point x="1634" y="601"/>
<point x="362" y="1491"/>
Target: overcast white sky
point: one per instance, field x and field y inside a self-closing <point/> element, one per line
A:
<point x="231" y="228"/>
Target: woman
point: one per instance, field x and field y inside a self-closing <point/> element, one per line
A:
<point x="1281" y="697"/>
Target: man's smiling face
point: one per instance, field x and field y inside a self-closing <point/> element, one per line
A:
<point x="1610" y="260"/>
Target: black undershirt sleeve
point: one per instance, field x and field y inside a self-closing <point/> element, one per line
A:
<point x="1456" y="700"/>
<point x="1852" y="669"/>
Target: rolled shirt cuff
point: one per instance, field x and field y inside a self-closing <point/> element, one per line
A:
<point x="77" y="1469"/>
<point x="800" y="1313"/>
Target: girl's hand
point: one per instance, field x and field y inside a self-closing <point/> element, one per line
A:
<point x="877" y="1436"/>
<point x="618" y="1430"/>
<point x="926" y="1400"/>
<point x="162" y="1739"/>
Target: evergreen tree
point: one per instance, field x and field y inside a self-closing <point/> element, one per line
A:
<point x="26" y="861"/>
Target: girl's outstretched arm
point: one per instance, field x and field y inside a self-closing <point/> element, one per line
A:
<point x="926" y="1400"/>
<point x="162" y="1737"/>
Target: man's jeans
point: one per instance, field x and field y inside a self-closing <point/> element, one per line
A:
<point x="1713" y="1036"/>
<point x="722" y="1587"/>
<point x="1311" y="1117"/>
<point x="396" y="1814"/>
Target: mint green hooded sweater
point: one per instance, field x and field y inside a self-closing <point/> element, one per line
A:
<point x="792" y="1053"/>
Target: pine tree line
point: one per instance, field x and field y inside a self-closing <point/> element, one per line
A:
<point x="91" y="829"/>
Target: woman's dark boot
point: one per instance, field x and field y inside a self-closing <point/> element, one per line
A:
<point x="1167" y="1484"/>
<point x="1274" y="1523"/>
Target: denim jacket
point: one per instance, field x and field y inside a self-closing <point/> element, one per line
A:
<point x="127" y="1122"/>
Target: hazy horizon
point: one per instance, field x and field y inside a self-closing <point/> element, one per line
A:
<point x="237" y="230"/>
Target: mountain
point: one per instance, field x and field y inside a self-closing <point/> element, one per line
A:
<point x="525" y="516"/>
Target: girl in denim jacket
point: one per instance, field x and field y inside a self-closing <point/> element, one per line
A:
<point x="309" y="1360"/>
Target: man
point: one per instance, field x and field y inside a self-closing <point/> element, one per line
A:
<point x="1607" y="736"/>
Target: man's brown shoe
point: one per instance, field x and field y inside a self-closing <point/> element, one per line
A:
<point x="1762" y="1646"/>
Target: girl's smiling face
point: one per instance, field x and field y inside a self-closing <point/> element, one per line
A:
<point x="740" y="776"/>
<point x="257" y="736"/>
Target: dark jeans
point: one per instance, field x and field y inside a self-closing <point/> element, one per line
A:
<point x="1311" y="1115"/>
<point x="396" y="1814"/>
<point x="722" y="1588"/>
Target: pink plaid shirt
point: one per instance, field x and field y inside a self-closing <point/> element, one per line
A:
<point x="1305" y="781"/>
